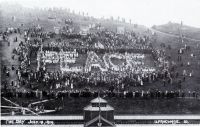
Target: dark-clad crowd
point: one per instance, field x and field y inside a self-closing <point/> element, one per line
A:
<point x="40" y="82"/>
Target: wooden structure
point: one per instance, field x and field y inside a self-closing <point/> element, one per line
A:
<point x="98" y="114"/>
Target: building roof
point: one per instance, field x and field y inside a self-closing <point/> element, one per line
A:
<point x="98" y="100"/>
<point x="90" y="108"/>
<point x="94" y="122"/>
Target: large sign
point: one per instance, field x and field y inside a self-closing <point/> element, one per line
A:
<point x="114" y="62"/>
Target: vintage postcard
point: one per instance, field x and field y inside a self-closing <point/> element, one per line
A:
<point x="100" y="63"/>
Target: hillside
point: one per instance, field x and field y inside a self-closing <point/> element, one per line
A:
<point x="55" y="17"/>
<point x="173" y="28"/>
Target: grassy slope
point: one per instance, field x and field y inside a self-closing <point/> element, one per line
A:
<point x="173" y="28"/>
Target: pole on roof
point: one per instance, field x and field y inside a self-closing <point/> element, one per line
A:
<point x="180" y="32"/>
<point x="99" y="123"/>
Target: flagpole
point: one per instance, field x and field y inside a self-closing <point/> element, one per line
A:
<point x="99" y="124"/>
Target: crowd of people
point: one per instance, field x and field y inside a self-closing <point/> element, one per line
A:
<point x="37" y="41"/>
<point x="34" y="38"/>
<point x="88" y="93"/>
<point x="67" y="59"/>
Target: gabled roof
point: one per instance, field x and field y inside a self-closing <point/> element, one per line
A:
<point x="95" y="120"/>
<point x="90" y="108"/>
<point x="98" y="100"/>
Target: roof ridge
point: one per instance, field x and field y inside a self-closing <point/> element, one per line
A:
<point x="97" y="99"/>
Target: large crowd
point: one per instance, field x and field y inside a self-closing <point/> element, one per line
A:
<point x="48" y="44"/>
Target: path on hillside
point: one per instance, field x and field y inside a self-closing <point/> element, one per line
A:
<point x="6" y="57"/>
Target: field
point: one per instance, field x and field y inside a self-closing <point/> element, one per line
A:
<point x="191" y="83"/>
<point x="160" y="40"/>
<point x="137" y="106"/>
<point x="133" y="106"/>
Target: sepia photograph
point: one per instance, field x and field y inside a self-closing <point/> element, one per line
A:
<point x="99" y="63"/>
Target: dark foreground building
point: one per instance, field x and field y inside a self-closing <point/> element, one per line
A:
<point x="98" y="114"/>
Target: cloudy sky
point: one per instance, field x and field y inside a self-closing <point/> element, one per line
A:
<point x="145" y="12"/>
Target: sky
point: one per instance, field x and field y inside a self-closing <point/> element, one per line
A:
<point x="144" y="12"/>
